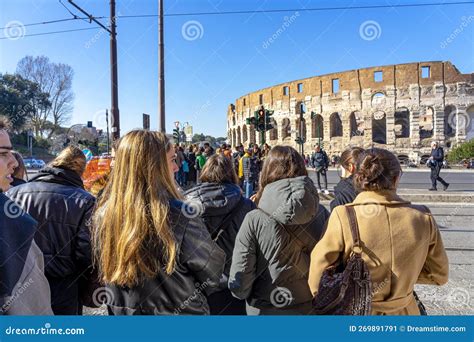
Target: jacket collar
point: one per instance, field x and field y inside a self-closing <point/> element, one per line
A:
<point x="386" y="197"/>
<point x="59" y="176"/>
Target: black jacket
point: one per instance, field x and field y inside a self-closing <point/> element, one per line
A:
<point x="198" y="269"/>
<point x="221" y="203"/>
<point x="57" y="200"/>
<point x="438" y="157"/>
<point x="320" y="160"/>
<point x="270" y="264"/>
<point x="344" y="192"/>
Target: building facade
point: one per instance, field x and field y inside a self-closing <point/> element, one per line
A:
<point x="398" y="107"/>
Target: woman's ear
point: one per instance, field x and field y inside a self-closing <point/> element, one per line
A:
<point x="351" y="168"/>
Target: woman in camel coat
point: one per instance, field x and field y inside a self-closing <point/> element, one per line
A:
<point x="402" y="244"/>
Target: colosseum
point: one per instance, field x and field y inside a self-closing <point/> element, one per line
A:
<point x="400" y="107"/>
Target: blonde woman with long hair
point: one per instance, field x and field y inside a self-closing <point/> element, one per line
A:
<point x="152" y="252"/>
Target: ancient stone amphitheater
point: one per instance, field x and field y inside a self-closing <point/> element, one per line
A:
<point x="399" y="107"/>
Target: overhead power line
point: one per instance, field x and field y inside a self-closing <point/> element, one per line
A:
<point x="54" y="32"/>
<point x="299" y="9"/>
<point x="457" y="3"/>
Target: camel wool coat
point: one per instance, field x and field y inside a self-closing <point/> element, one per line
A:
<point x="401" y="245"/>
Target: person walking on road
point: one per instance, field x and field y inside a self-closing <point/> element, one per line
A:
<point x="401" y="242"/>
<point x="248" y="170"/>
<point x="153" y="253"/>
<point x="435" y="163"/>
<point x="320" y="162"/>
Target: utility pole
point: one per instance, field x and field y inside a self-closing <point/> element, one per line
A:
<point x="114" y="73"/>
<point x="108" y="133"/>
<point x="113" y="64"/>
<point x="161" y="62"/>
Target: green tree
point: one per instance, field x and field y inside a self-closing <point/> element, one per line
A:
<point x="461" y="152"/>
<point x="20" y="99"/>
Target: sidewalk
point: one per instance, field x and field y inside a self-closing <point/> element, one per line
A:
<point x="418" y="195"/>
<point x="412" y="169"/>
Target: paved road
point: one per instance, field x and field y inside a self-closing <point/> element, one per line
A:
<point x="419" y="179"/>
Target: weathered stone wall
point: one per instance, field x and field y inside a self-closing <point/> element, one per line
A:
<point x="392" y="112"/>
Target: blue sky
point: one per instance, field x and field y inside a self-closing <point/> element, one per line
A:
<point x="230" y="56"/>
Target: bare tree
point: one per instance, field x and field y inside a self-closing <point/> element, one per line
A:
<point x="56" y="80"/>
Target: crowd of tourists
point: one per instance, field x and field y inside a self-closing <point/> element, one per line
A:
<point x="197" y="231"/>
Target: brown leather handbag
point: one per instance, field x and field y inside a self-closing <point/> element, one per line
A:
<point x="346" y="290"/>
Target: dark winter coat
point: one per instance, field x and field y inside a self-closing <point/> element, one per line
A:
<point x="271" y="257"/>
<point x="221" y="203"/>
<point x="199" y="267"/>
<point x="320" y="160"/>
<point x="344" y="192"/>
<point x="438" y="157"/>
<point x="57" y="200"/>
<point x="24" y="290"/>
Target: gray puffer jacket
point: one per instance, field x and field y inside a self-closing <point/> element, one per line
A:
<point x="271" y="258"/>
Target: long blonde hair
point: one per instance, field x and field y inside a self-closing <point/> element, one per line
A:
<point x="132" y="236"/>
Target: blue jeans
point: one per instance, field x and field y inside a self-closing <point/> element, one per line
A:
<point x="248" y="188"/>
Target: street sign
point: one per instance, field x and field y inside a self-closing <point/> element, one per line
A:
<point x="146" y="121"/>
<point x="88" y="154"/>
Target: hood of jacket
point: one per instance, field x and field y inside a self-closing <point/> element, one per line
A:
<point x="59" y="176"/>
<point x="215" y="200"/>
<point x="291" y="201"/>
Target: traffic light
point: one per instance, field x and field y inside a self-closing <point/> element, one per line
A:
<point x="261" y="120"/>
<point x="268" y="119"/>
<point x="300" y="141"/>
<point x="176" y="135"/>
<point x="250" y="121"/>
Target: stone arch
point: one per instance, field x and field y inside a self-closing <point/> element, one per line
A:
<point x="402" y="123"/>
<point x="378" y="100"/>
<point x="335" y="125"/>
<point x="301" y="131"/>
<point x="427" y="123"/>
<point x="244" y="134"/>
<point x="379" y="127"/>
<point x="239" y="136"/>
<point x="356" y="122"/>
<point x="450" y="113"/>
<point x="252" y="137"/>
<point x="470" y="122"/>
<point x="317" y="127"/>
<point x="285" y="129"/>
<point x="274" y="131"/>
<point x="234" y="140"/>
